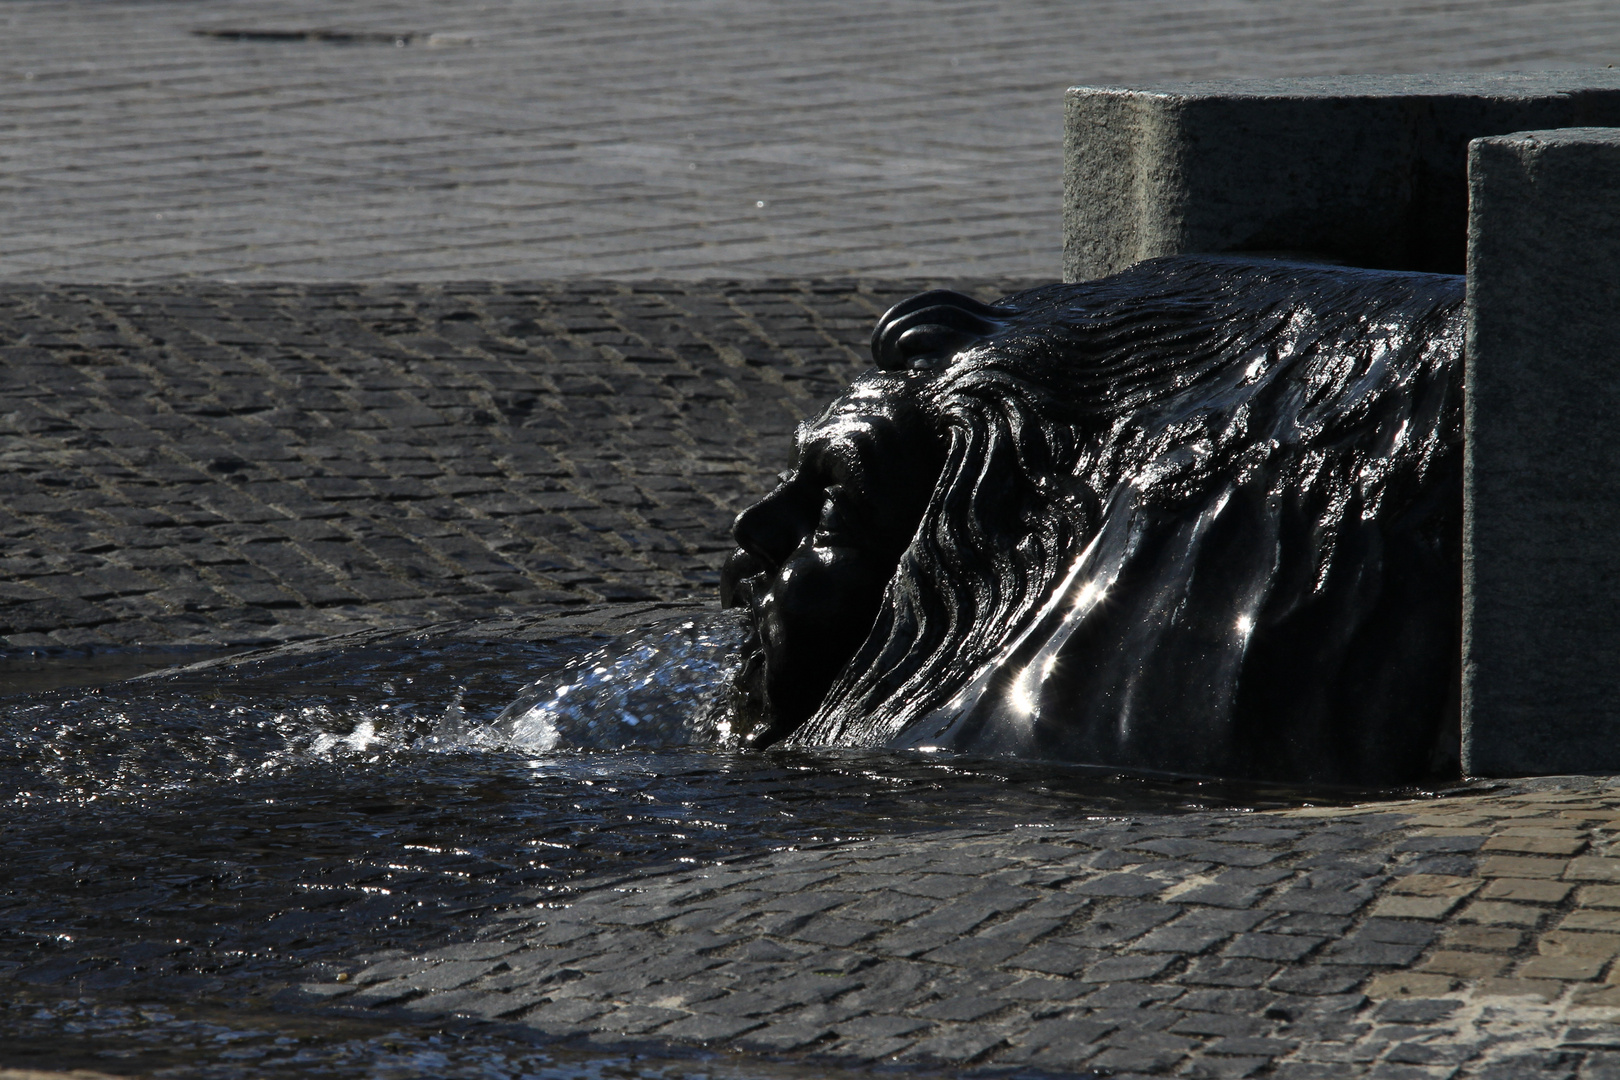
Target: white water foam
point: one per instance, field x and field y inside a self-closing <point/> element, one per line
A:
<point x="654" y="689"/>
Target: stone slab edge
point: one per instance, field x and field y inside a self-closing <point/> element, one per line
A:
<point x="1541" y="691"/>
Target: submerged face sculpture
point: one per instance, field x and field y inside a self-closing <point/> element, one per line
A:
<point x="815" y="555"/>
<point x="1202" y="517"/>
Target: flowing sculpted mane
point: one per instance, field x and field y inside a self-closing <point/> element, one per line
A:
<point x="1203" y="516"/>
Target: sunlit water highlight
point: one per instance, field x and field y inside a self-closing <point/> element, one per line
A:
<point x="653" y="691"/>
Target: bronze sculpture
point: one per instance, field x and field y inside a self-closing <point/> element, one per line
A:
<point x="1201" y="517"/>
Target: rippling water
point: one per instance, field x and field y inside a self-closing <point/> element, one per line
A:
<point x="192" y="839"/>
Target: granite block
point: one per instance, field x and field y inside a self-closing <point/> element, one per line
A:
<point x="1542" y="502"/>
<point x="1368" y="169"/>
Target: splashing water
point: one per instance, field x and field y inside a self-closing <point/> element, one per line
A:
<point x="659" y="688"/>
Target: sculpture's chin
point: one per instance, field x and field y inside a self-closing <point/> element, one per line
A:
<point x="809" y="618"/>
<point x="744" y="581"/>
<point x="760" y="724"/>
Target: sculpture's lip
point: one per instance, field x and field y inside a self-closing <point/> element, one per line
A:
<point x="750" y="699"/>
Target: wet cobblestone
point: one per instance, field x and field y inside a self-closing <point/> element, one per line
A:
<point x="224" y="464"/>
<point x="217" y="464"/>
<point x="1326" y="942"/>
<point x="214" y="464"/>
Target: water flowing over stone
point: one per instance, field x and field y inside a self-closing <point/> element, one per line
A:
<point x="657" y="688"/>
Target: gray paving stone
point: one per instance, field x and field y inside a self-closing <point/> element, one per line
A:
<point x="887" y="906"/>
<point x="974" y="952"/>
<point x="1055" y="958"/>
<point x="869" y="1048"/>
<point x="1041" y="989"/>
<point x="1197" y="930"/>
<point x="251" y="546"/>
<point x="1116" y="968"/>
<point x="451" y="974"/>
<point x="1126" y="885"/>
<point x="1226" y="1025"/>
<point x="705" y="1028"/>
<point x="964" y="1008"/>
<point x="631" y="139"/>
<point x="783" y="1037"/>
<point x="1228" y="971"/>
<point x="511" y="447"/>
<point x="1143" y="1052"/>
<point x="1318" y="980"/>
<point x="1108" y="1005"/>
<point x="1311" y="1070"/>
<point x="1120" y="922"/>
<point x="565" y="1017"/>
<point x="1131" y="998"/>
<point x="957" y="1047"/>
<point x="390" y="992"/>
<point x="933" y="885"/>
<point x="1222" y="1067"/>
<point x="1272" y="946"/>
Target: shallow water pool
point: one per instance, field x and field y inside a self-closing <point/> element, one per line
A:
<point x="181" y="846"/>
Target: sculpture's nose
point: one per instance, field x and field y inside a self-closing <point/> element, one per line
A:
<point x="775" y="526"/>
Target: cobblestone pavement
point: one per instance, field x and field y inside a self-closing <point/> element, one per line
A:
<point x="1469" y="936"/>
<point x="626" y="138"/>
<point x="211" y="464"/>
<point x="204" y="463"/>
